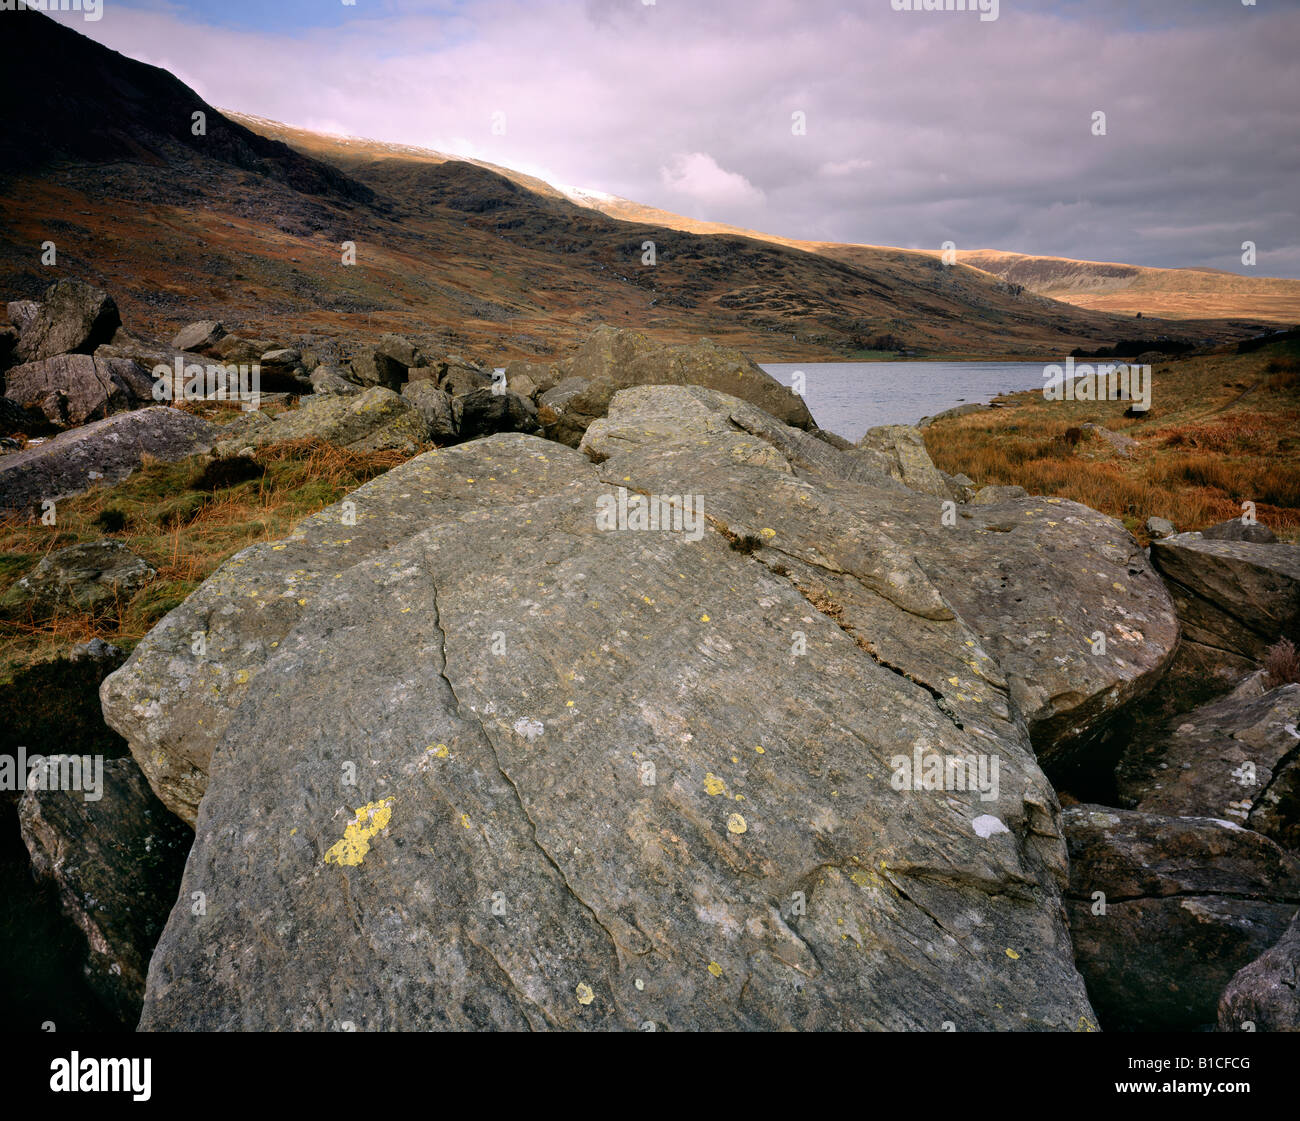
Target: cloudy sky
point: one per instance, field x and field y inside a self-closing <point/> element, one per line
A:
<point x="918" y="127"/>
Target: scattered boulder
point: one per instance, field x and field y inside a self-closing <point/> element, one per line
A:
<point x="1186" y="902"/>
<point x="961" y="488"/>
<point x="991" y="496"/>
<point x="1160" y="527"/>
<point x="441" y="412"/>
<point x="899" y="450"/>
<point x="400" y="350"/>
<point x="200" y="337"/>
<point x="107" y="450"/>
<point x="531" y="379"/>
<point x="375" y="368"/>
<point x="458" y="378"/>
<point x="115" y="856"/>
<point x="567" y="409"/>
<point x="1235" y="596"/>
<point x="1265" y="995"/>
<point x="233" y="349"/>
<point x="92" y="576"/>
<point x="484" y="412"/>
<point x="1236" y="759"/>
<point x="21" y="313"/>
<point x="1234" y="529"/>
<point x="327" y="380"/>
<point x="96" y="650"/>
<point x="283" y="360"/>
<point x="1124" y="445"/>
<point x="371" y="421"/>
<point x="72" y="318"/>
<point x="75" y="388"/>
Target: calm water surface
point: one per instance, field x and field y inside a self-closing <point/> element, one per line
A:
<point x="849" y="397"/>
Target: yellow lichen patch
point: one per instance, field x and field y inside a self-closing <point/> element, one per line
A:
<point x="715" y="969"/>
<point x="438" y="751"/>
<point x="704" y="618"/>
<point x="1012" y="954"/>
<point x="355" y="843"/>
<point x="767" y="532"/>
<point x="713" y="785"/>
<point x="760" y="751"/>
<point x="736" y="824"/>
<point x="585" y="994"/>
<point x="464" y="820"/>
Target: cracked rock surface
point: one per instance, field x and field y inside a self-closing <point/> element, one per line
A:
<point x="458" y="757"/>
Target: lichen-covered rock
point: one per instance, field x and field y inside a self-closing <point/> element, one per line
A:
<point x="1236" y="758"/>
<point x="106" y="451"/>
<point x="596" y="776"/>
<point x="71" y="318"/>
<point x="92" y="576"/>
<point x="1235" y="596"/>
<point x="1265" y="995"/>
<point x="75" y="388"/>
<point x="115" y="855"/>
<point x="199" y="337"/>
<point x="371" y="421"/>
<point x="441" y="412"/>
<point x="1184" y="903"/>
<point x="902" y="454"/>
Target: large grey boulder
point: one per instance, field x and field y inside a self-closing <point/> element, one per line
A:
<point x="72" y="318"/>
<point x="115" y="856"/>
<point x="899" y="450"/>
<point x="1236" y="596"/>
<point x="375" y="420"/>
<point x="441" y="412"/>
<point x="327" y="380"/>
<point x="1236" y="758"/>
<point x="106" y="452"/>
<point x="91" y="577"/>
<point x="1265" y="995"/>
<point x="604" y="778"/>
<point x="484" y="412"/>
<point x="1164" y="910"/>
<point x="75" y="388"/>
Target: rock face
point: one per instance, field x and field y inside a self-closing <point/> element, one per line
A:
<point x="1187" y="902"/>
<point x="374" y="367"/>
<point x="1234" y="529"/>
<point x="1266" y="993"/>
<point x="370" y="421"/>
<point x="92" y="577"/>
<point x="75" y="388"/>
<point x="899" y="451"/>
<point x="71" y="318"/>
<point x="1235" y="596"/>
<point x="1237" y="759"/>
<point x="608" y="777"/>
<point x="331" y="379"/>
<point x="108" y="449"/>
<point x="116" y="861"/>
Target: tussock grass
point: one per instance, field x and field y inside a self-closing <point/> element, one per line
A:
<point x="1222" y="430"/>
<point x="183" y="519"/>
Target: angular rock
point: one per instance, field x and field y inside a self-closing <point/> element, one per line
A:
<point x="1124" y="445"/>
<point x="484" y="412"/>
<point x="1266" y="993"/>
<point x="72" y="318"/>
<point x="541" y="376"/>
<point x="1160" y="527"/>
<point x="1188" y="902"/>
<point x="441" y="412"/>
<point x="21" y="313"/>
<point x="1236" y="759"/>
<point x="332" y="380"/>
<point x="75" y="388"/>
<point x="199" y="337"/>
<point x="241" y="351"/>
<point x="282" y="360"/>
<point x="91" y="577"/>
<point x="1235" y="596"/>
<point x="510" y="858"/>
<point x="400" y="350"/>
<point x="371" y="421"/>
<point x="116" y="861"/>
<point x="990" y="496"/>
<point x="107" y="450"/>
<point x="458" y="379"/>
<point x="1234" y="529"/>
<point x="373" y="367"/>
<point x="903" y="456"/>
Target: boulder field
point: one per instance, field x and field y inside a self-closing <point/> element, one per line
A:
<point x="474" y="748"/>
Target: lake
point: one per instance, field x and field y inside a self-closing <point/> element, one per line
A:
<point x="847" y="398"/>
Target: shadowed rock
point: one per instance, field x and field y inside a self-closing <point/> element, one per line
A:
<point x="75" y="388"/>
<point x="1187" y="902"/>
<point x="71" y="318"/>
<point x="88" y="577"/>
<point x="1266" y="993"/>
<point x="116" y="861"/>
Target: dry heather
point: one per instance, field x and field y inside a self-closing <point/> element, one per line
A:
<point x="1223" y="429"/>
